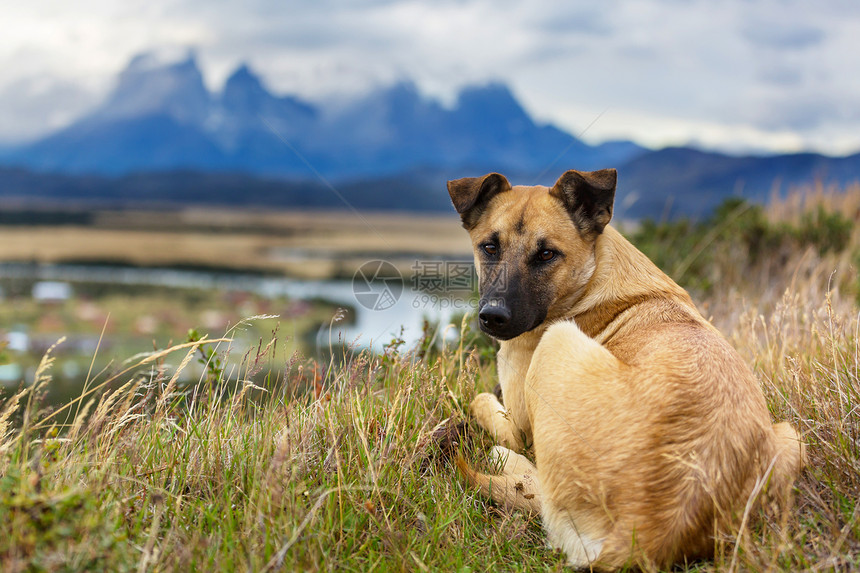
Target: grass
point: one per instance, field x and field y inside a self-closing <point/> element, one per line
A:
<point x="347" y="465"/>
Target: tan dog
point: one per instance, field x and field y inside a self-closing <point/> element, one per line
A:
<point x="650" y="434"/>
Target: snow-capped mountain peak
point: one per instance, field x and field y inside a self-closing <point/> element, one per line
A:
<point x="154" y="85"/>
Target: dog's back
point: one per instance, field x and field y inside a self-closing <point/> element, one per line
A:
<point x="697" y="439"/>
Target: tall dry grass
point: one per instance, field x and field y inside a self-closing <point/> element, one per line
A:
<point x="795" y="317"/>
<point x="346" y="464"/>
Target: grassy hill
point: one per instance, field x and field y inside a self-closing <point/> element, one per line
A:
<point x="347" y="464"/>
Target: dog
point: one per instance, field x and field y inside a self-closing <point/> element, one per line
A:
<point x="650" y="434"/>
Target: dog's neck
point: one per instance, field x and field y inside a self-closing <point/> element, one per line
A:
<point x="616" y="263"/>
<point x="623" y="277"/>
<point x="619" y="264"/>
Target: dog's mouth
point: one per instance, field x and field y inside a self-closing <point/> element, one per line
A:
<point x="497" y="320"/>
<point x="499" y="333"/>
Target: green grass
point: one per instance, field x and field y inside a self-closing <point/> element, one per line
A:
<point x="347" y="465"/>
<point x="342" y="470"/>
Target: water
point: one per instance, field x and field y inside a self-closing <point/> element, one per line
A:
<point x="399" y="315"/>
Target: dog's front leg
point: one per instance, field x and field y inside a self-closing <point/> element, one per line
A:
<point x="493" y="417"/>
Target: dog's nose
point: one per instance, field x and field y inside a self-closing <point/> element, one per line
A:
<point x="495" y="316"/>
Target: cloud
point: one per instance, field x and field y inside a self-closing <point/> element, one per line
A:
<point x="780" y="76"/>
<point x="792" y="37"/>
<point x="36" y="106"/>
<point x="588" y="21"/>
<point x="659" y="64"/>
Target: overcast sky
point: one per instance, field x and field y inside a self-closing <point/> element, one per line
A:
<point x="782" y="75"/>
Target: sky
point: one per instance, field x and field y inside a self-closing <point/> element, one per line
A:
<point x="730" y="75"/>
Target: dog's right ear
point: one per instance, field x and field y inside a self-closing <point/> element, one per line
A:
<point x="471" y="195"/>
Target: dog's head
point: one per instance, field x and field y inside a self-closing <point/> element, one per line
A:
<point x="534" y="246"/>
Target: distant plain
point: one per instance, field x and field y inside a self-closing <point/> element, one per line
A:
<point x="300" y="244"/>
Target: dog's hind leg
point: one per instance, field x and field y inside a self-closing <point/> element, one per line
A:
<point x="517" y="487"/>
<point x="493" y="417"/>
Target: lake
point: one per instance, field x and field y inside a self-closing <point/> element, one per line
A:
<point x="377" y="306"/>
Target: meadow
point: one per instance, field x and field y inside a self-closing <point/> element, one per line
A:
<point x="280" y="462"/>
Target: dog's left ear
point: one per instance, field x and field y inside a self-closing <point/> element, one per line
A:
<point x="588" y="196"/>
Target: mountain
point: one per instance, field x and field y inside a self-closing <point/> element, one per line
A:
<point x="44" y="192"/>
<point x="682" y="181"/>
<point x="151" y="87"/>
<point x="665" y="183"/>
<point x="388" y="131"/>
<point x="160" y="116"/>
<point x="250" y="127"/>
<point x="153" y="120"/>
<point x="161" y="136"/>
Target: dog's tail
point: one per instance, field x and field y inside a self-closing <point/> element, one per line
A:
<point x="513" y="489"/>
<point x="790" y="454"/>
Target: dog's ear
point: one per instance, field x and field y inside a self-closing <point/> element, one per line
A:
<point x="471" y="194"/>
<point x="588" y="197"/>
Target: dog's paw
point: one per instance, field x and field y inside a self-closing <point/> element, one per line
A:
<point x="500" y="454"/>
<point x="497" y="420"/>
<point x="485" y="404"/>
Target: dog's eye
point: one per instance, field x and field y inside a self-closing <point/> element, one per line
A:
<point x="490" y="249"/>
<point x="546" y="255"/>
